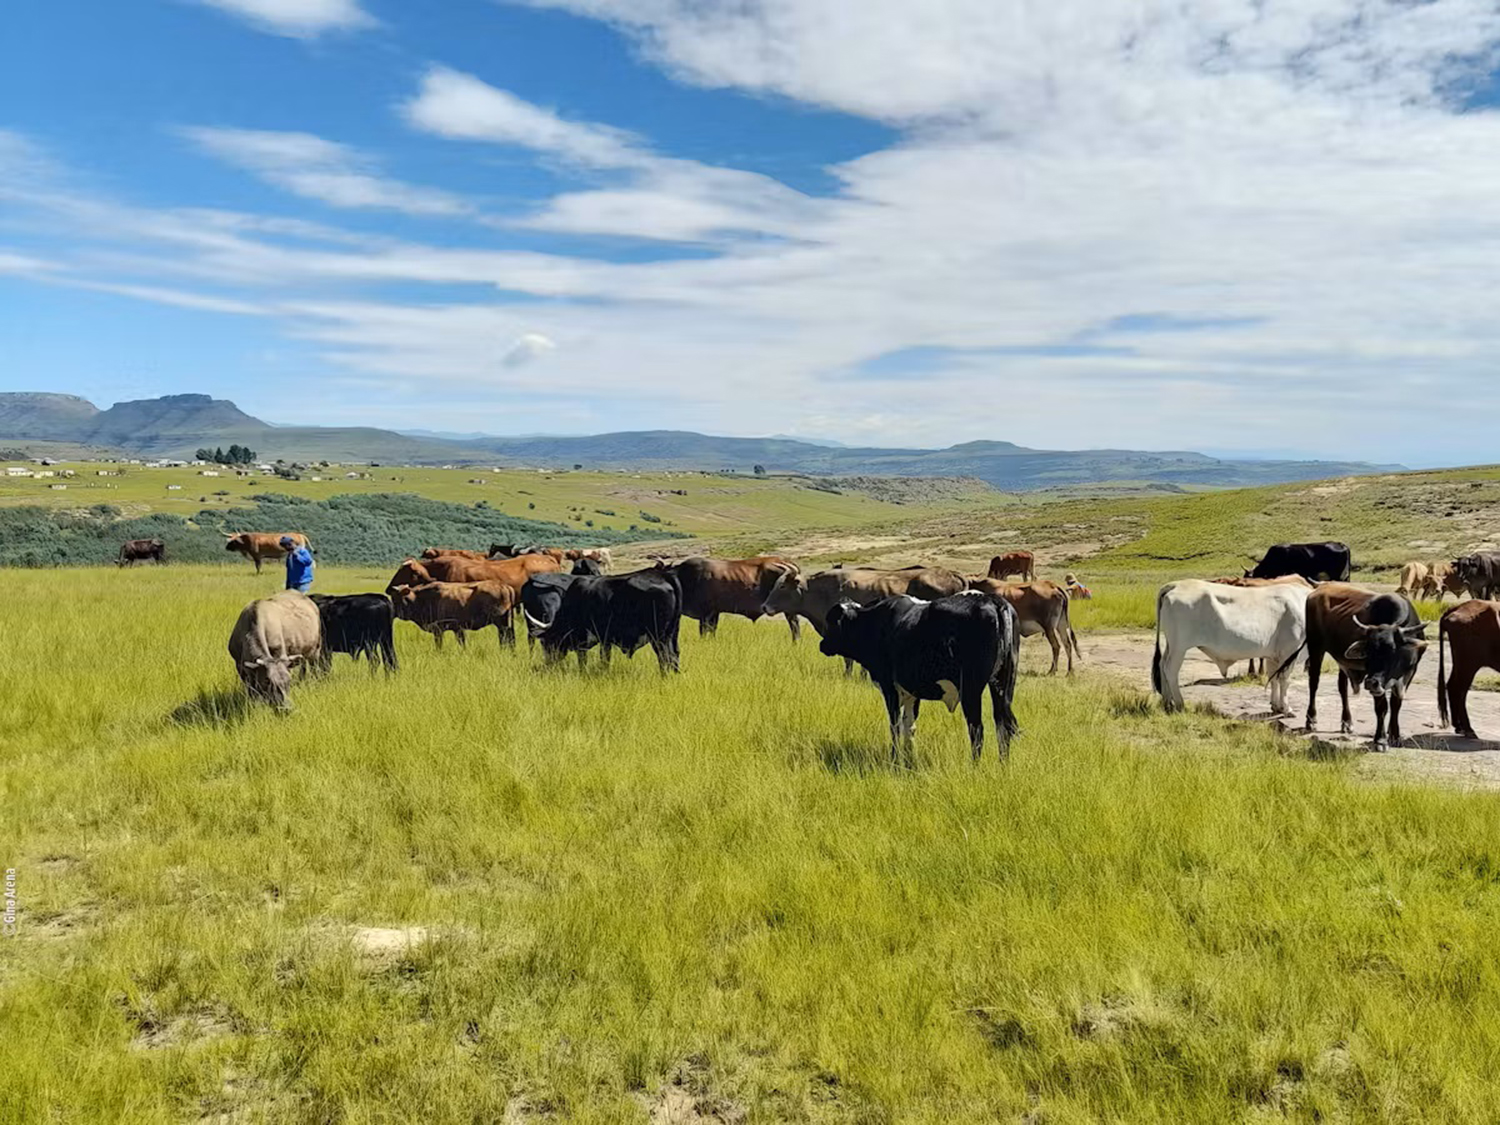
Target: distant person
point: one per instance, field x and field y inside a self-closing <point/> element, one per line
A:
<point x="299" y="565"/>
<point x="1077" y="589"/>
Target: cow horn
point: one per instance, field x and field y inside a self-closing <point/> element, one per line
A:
<point x="1411" y="630"/>
<point x="537" y="627"/>
<point x="1363" y="627"/>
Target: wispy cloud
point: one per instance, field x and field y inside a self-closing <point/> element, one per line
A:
<point x="300" y="19"/>
<point x="324" y="170"/>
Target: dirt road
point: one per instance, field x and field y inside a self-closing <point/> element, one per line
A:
<point x="1429" y="752"/>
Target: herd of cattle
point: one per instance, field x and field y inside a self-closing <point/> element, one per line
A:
<point x="921" y="633"/>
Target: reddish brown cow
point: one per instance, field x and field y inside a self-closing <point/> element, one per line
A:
<point x="448" y="568"/>
<point x="1472" y="630"/>
<point x="453" y="552"/>
<point x="458" y="607"/>
<point x="1041" y="607"/>
<point x="1022" y="563"/>
<point x="259" y="545"/>
<point x="711" y="587"/>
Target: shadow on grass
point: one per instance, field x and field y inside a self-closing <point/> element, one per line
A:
<point x="1450" y="742"/>
<point x="219" y="707"/>
<point x="856" y="758"/>
<point x="1320" y="749"/>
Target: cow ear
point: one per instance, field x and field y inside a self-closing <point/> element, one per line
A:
<point x="1357" y="651"/>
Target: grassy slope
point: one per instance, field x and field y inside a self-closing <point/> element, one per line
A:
<point x="714" y="879"/>
<point x="713" y="504"/>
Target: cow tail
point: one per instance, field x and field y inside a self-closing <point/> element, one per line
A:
<point x="1442" y="674"/>
<point x="1289" y="661"/>
<point x="1155" y="659"/>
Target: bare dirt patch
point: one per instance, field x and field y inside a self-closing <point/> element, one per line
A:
<point x="1430" y="753"/>
<point x="380" y="948"/>
<point x="181" y="1030"/>
<point x="687" y="1099"/>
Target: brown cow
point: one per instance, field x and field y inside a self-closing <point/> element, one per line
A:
<point x="1375" y="639"/>
<point x="1014" y="562"/>
<point x="1284" y="580"/>
<point x="272" y="636"/>
<point x="1472" y="629"/>
<point x="1041" y="607"/>
<point x="711" y="587"/>
<point x="453" y="552"/>
<point x="138" y="550"/>
<point x="260" y="545"/>
<point x="599" y="555"/>
<point x="447" y="568"/>
<point x="458" y="607"/>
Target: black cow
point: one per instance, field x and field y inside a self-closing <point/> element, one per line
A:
<point x="133" y="551"/>
<point x="1376" y="640"/>
<point x="951" y="649"/>
<point x="623" y="611"/>
<point x="358" y="624"/>
<point x="1480" y="572"/>
<point x="1313" y="561"/>
<point x="588" y="567"/>
<point x="542" y="596"/>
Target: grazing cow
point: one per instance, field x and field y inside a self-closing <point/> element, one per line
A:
<point x="950" y="649"/>
<point x="453" y="553"/>
<point x="623" y="611"/>
<point x="513" y="572"/>
<point x="1284" y="580"/>
<point x="1041" y="607"/>
<point x="1472" y="630"/>
<point x="1229" y="623"/>
<point x="1022" y="563"/>
<point x="711" y="587"/>
<point x="814" y="597"/>
<point x="458" y="608"/>
<point x="258" y="546"/>
<point x="272" y="636"/>
<point x="598" y="555"/>
<point x="1312" y="561"/>
<point x="1376" y="640"/>
<point x="1479" y="573"/>
<point x="360" y="625"/>
<point x="133" y="551"/>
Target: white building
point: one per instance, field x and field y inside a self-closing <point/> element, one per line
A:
<point x="58" y="487"/>
<point x="208" y="472"/>
<point x="174" y="488"/>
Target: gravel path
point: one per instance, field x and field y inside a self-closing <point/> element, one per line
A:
<point x="1429" y="752"/>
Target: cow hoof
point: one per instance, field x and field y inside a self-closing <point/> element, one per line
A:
<point x="1377" y="747"/>
<point x="1346" y="728"/>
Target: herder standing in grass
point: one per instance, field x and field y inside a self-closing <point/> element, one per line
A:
<point x="299" y="565"/>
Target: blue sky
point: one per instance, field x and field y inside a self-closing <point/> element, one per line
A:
<point x="1224" y="223"/>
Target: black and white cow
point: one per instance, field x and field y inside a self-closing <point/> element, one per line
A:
<point x="623" y="611"/>
<point x="951" y="649"/>
<point x="359" y="624"/>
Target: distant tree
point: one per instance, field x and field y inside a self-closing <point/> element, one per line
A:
<point x="203" y="455"/>
<point x="577" y="466"/>
<point x="531" y="504"/>
<point x="218" y="457"/>
<point x="760" y="470"/>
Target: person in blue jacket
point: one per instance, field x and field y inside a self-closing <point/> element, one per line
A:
<point x="299" y="565"/>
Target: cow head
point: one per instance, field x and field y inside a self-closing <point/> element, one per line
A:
<point x="836" y="627"/>
<point x="588" y="567"/>
<point x="1468" y="571"/>
<point x="270" y="678"/>
<point x="238" y="543"/>
<point x="785" y="595"/>
<point x="1389" y="654"/>
<point x="431" y="553"/>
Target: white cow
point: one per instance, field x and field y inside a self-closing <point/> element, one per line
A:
<point x="1228" y="623"/>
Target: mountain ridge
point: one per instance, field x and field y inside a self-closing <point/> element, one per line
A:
<point x="176" y="425"/>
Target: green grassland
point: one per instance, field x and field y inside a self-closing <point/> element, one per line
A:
<point x="707" y="895"/>
<point x="708" y="503"/>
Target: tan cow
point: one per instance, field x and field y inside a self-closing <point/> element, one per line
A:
<point x="1041" y="607"/>
<point x="453" y="552"/>
<point x="1022" y="563"/>
<point x="599" y="555"/>
<point x="458" y="608"/>
<point x="447" y="568"/>
<point x="260" y="545"/>
<point x="272" y="636"/>
<point x="1429" y="580"/>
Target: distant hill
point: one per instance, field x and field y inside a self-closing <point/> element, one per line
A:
<point x="176" y="425"/>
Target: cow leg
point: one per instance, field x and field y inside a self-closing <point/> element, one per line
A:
<point x="463" y="638"/>
<point x="973" y="705"/>
<point x="1171" y="679"/>
<point x="895" y="716"/>
<point x="666" y="659"/>
<point x="848" y="667"/>
<point x="1056" y="650"/>
<point x="506" y="627"/>
<point x="1346" y="717"/>
<point x="794" y="623"/>
<point x="708" y="625"/>
<point x="911" y="707"/>
<point x="1314" y="673"/>
<point x="583" y="659"/>
<point x="257" y="564"/>
<point x="1382" y="705"/>
<point x="1398" y="697"/>
<point x="388" y="654"/>
<point x="437" y="637"/>
<point x="1459" y="684"/>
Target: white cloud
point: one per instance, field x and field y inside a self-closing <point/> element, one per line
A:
<point x="461" y="107"/>
<point x="298" y="19"/>
<point x="323" y="170"/>
<point x="527" y="347"/>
